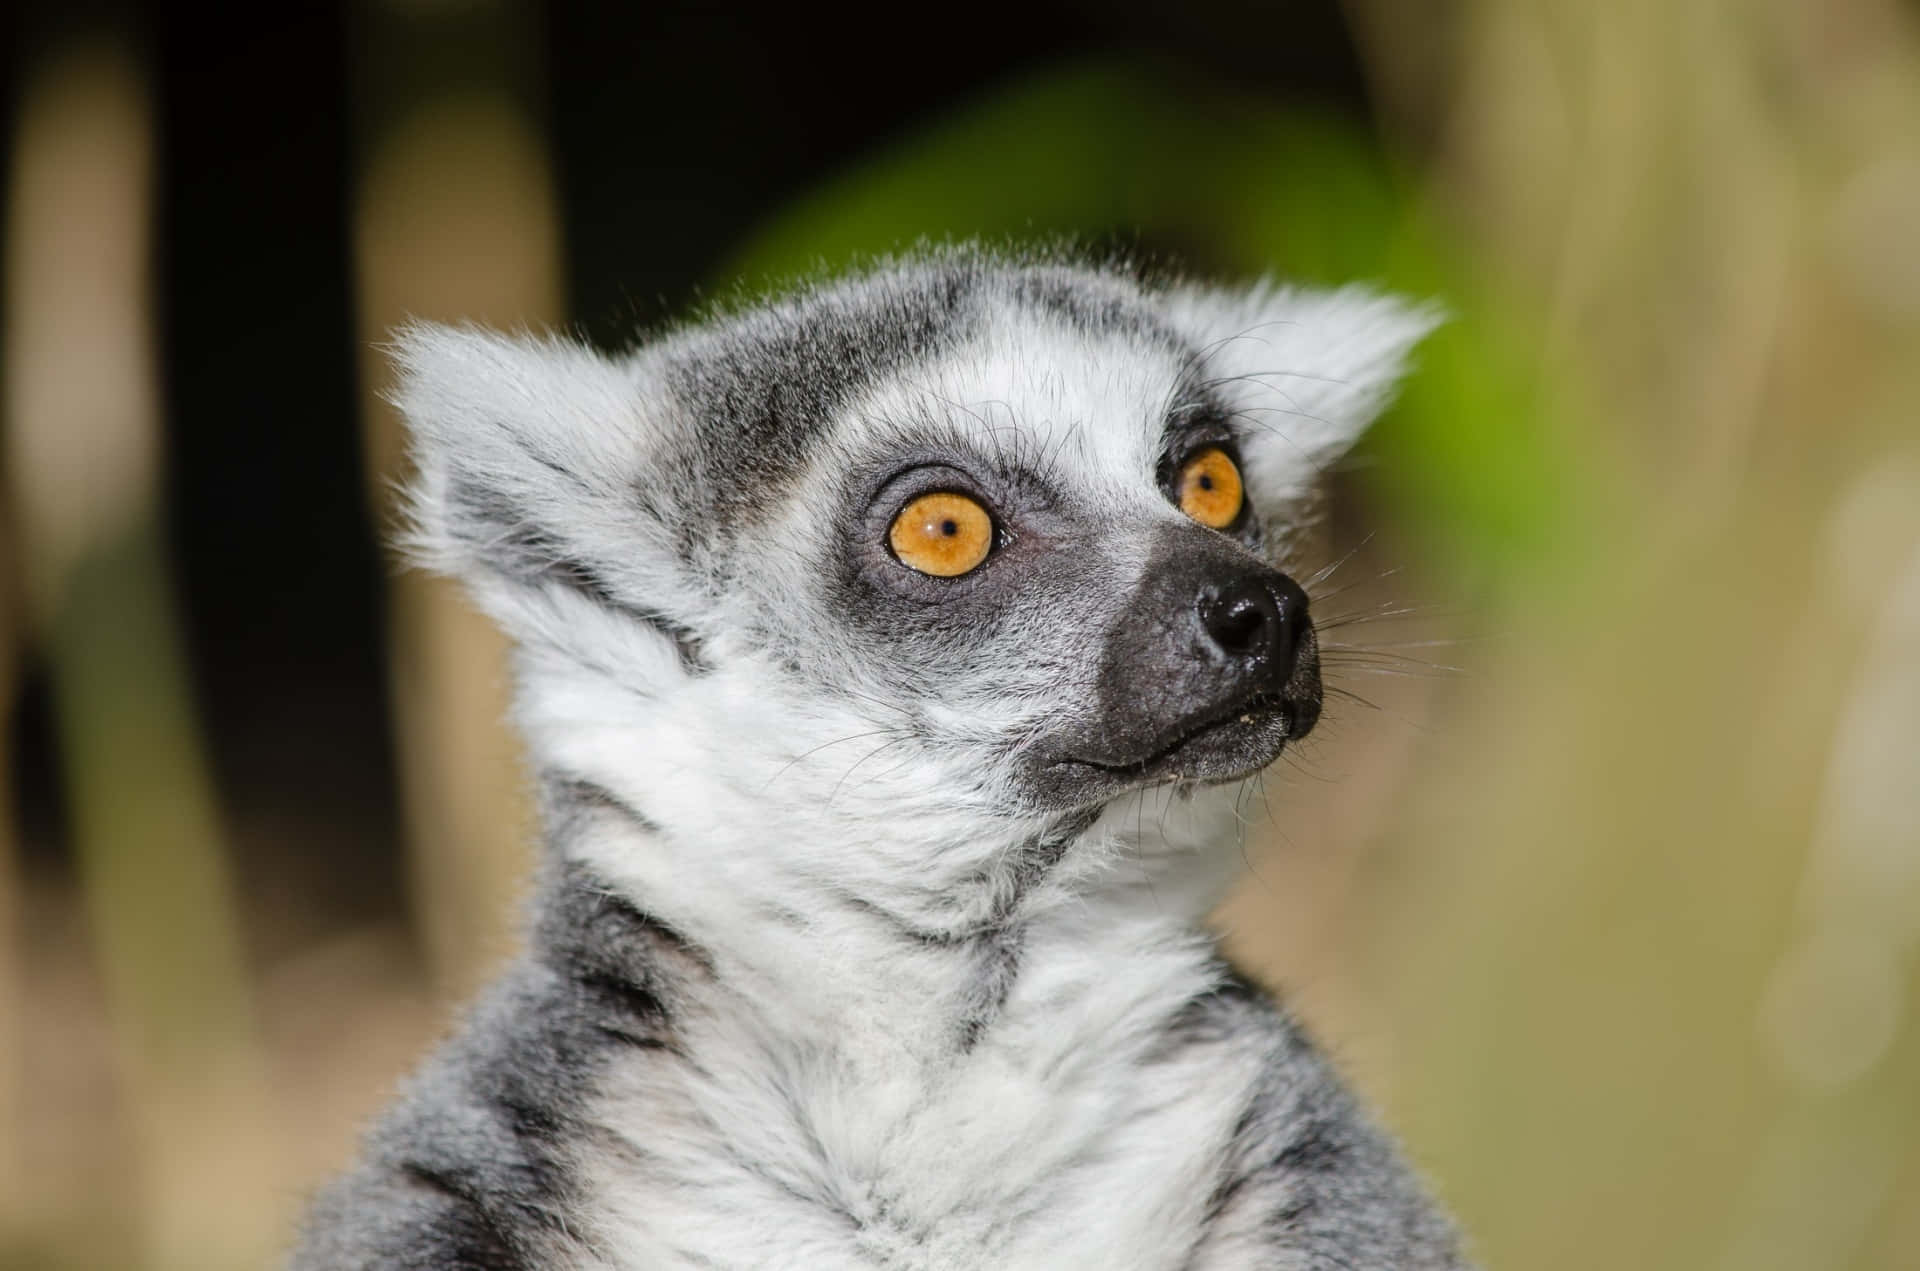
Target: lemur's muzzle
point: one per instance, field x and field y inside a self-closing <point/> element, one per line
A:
<point x="1209" y="668"/>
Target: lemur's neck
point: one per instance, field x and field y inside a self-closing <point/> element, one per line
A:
<point x="828" y="892"/>
<point x="1053" y="921"/>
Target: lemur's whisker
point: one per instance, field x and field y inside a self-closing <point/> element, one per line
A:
<point x="834" y="794"/>
<point x="1257" y="377"/>
<point x="1454" y="642"/>
<point x="1339" y="690"/>
<point x="1328" y="570"/>
<point x="881" y="702"/>
<point x="810" y="752"/>
<point x="1260" y="784"/>
<point x="884" y="773"/>
<point x="1384" y="659"/>
<point x="1402" y="672"/>
<point x="1335" y="690"/>
<point x="1322" y="598"/>
<point x="1379" y="615"/>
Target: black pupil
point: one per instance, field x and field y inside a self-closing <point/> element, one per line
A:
<point x="949" y="527"/>
<point x="1206" y="481"/>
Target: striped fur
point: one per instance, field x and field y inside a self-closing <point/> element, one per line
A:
<point x="844" y="954"/>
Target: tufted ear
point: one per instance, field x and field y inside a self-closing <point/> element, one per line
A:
<point x="536" y="484"/>
<point x="1307" y="369"/>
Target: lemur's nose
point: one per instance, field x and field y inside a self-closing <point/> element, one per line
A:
<point x="1256" y="619"/>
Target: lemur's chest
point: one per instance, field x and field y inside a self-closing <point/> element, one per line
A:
<point x="1009" y="1158"/>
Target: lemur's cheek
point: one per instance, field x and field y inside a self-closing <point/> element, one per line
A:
<point x="942" y="534"/>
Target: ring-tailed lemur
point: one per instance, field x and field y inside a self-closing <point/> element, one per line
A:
<point x="850" y="631"/>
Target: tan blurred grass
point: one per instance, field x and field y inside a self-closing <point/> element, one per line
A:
<point x="453" y="172"/>
<point x="82" y="441"/>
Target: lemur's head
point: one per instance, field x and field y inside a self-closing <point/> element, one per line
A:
<point x="966" y="538"/>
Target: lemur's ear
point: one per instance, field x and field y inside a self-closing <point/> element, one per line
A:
<point x="1307" y="369"/>
<point x="532" y="455"/>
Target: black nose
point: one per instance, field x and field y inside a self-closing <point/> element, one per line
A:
<point x="1256" y="619"/>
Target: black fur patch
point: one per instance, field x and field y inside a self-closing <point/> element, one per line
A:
<point x="1213" y="1016"/>
<point x="765" y="388"/>
<point x="591" y="931"/>
<point x="1318" y="1147"/>
<point x="998" y="956"/>
<point x="1065" y="293"/>
<point x="564" y="797"/>
<point x="932" y="937"/>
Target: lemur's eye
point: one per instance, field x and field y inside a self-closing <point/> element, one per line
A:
<point x="942" y="534"/>
<point x="1210" y="491"/>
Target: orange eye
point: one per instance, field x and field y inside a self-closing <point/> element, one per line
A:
<point x="1210" y="490"/>
<point x="942" y="534"/>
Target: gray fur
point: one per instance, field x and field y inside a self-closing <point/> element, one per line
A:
<point x="851" y="946"/>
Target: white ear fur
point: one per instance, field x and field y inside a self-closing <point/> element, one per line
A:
<point x="1309" y="369"/>
<point x="533" y="459"/>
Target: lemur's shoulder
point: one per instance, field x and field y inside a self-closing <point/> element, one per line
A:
<point x="466" y="1168"/>
<point x="1305" y="1165"/>
<point x="472" y="1165"/>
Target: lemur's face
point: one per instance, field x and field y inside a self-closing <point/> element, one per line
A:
<point x="1043" y="543"/>
<point x="1029" y="522"/>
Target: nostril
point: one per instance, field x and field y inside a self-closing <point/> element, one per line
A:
<point x="1243" y="620"/>
<point x="1239" y="629"/>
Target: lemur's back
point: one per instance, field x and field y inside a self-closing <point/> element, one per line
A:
<point x="891" y="659"/>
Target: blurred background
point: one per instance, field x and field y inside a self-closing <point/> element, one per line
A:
<point x="1602" y="877"/>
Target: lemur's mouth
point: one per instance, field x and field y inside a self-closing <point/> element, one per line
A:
<point x="1224" y="747"/>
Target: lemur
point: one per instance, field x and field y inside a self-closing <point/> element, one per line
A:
<point x="852" y="631"/>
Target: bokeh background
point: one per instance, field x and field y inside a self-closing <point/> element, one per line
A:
<point x="1603" y="876"/>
